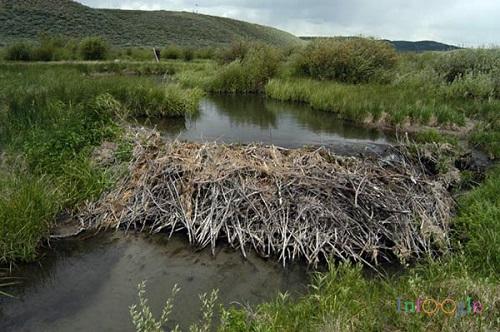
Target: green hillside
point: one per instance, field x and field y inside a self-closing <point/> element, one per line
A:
<point x="26" y="19"/>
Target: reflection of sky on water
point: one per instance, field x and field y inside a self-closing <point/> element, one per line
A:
<point x="248" y="119"/>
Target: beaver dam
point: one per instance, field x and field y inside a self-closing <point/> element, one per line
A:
<point x="288" y="203"/>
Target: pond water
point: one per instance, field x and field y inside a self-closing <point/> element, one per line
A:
<point x="89" y="285"/>
<point x="250" y="119"/>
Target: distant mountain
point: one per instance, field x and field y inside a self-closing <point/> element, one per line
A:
<point x="421" y="46"/>
<point x="409" y="46"/>
<point x="26" y="19"/>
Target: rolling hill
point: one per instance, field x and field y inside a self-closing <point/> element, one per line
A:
<point x="421" y="46"/>
<point x="408" y="46"/>
<point x="26" y="19"/>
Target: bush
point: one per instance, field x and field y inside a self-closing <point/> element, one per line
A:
<point x="188" y="54"/>
<point x="171" y="52"/>
<point x="351" y="60"/>
<point x="250" y="74"/>
<point x="19" y="52"/>
<point x="44" y="53"/>
<point x="472" y="85"/>
<point x="205" y="53"/>
<point x="50" y="48"/>
<point x="456" y="64"/>
<point x="236" y="51"/>
<point x="93" y="48"/>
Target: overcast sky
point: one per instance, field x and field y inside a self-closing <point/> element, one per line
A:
<point x="461" y="22"/>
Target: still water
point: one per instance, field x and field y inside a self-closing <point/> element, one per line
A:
<point x="256" y="119"/>
<point x="89" y="285"/>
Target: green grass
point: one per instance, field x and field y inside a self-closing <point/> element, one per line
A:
<point x="128" y="68"/>
<point x="23" y="20"/>
<point x="51" y="119"/>
<point x="27" y="205"/>
<point x="478" y="226"/>
<point x="391" y="104"/>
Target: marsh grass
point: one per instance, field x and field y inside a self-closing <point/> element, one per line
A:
<point x="434" y="136"/>
<point x="27" y="205"/>
<point x="144" y="320"/>
<point x="374" y="102"/>
<point x="51" y="119"/>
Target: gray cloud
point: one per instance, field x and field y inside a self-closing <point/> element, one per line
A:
<point x="462" y="22"/>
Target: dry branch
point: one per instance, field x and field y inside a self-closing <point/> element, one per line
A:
<point x="299" y="203"/>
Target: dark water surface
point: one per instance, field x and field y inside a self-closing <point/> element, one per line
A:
<point x="89" y="285"/>
<point x="256" y="119"/>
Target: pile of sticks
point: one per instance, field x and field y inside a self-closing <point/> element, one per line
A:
<point x="291" y="204"/>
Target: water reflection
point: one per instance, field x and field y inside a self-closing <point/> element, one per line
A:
<point x="248" y="119"/>
<point x="89" y="285"/>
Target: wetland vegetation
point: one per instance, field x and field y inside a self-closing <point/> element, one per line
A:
<point x="54" y="115"/>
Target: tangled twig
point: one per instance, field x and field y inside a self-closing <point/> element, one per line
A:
<point x="299" y="203"/>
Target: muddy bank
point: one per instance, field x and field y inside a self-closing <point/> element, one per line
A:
<point x="89" y="285"/>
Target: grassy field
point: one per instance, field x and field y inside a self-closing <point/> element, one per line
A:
<point x="52" y="116"/>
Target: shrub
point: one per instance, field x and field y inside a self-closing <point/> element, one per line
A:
<point x="19" y="52"/>
<point x="188" y="54"/>
<point x="250" y="74"/>
<point x="351" y="60"/>
<point x="472" y="85"/>
<point x="44" y="53"/>
<point x="93" y="48"/>
<point x="456" y="64"/>
<point x="50" y="48"/>
<point x="171" y="52"/>
<point x="236" y="51"/>
<point x="205" y="53"/>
